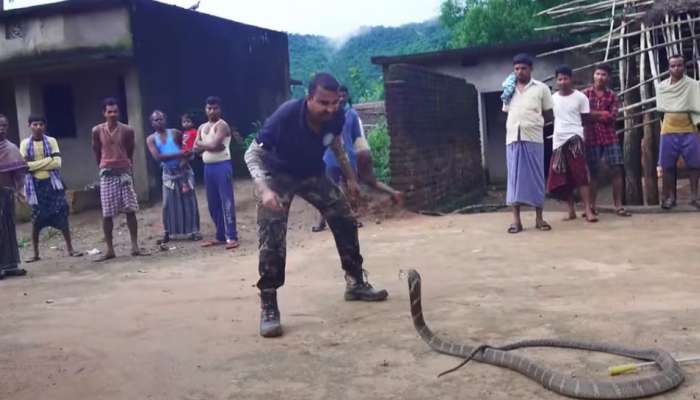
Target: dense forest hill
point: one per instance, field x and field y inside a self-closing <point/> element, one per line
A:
<point x="350" y="61"/>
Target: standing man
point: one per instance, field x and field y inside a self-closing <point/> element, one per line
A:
<point x="678" y="97"/>
<point x="13" y="168"/>
<point x="286" y="159"/>
<point x="530" y="105"/>
<point x="113" y="147"/>
<point x="44" y="187"/>
<point x="602" y="143"/>
<point x="213" y="142"/>
<point x="567" y="169"/>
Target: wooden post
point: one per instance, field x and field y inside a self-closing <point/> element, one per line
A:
<point x="651" y="182"/>
<point x="632" y="137"/>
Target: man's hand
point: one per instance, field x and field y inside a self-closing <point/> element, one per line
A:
<point x="270" y="200"/>
<point x="21" y="197"/>
<point x="354" y="191"/>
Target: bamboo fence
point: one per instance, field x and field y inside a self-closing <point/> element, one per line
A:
<point x="635" y="37"/>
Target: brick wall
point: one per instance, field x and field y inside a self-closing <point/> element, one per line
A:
<point x="434" y="129"/>
<point x="370" y="113"/>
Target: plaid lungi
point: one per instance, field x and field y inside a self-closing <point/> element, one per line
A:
<point x="117" y="195"/>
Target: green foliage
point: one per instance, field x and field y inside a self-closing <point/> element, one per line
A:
<point x="351" y="62"/>
<point x="482" y="22"/>
<point x="380" y="143"/>
<point x="308" y="54"/>
<point x="238" y="149"/>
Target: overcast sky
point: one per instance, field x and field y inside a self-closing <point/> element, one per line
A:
<point x="333" y="18"/>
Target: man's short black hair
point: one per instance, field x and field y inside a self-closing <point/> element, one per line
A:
<point x="36" y="118"/>
<point x="158" y="112"/>
<point x="522" y="58"/>
<point x="213" y="101"/>
<point x="563" y="70"/>
<point x="108" y="102"/>
<point x="676" y="55"/>
<point x="603" y="67"/>
<point x="323" y="80"/>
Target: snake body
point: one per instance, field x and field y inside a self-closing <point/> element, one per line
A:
<point x="667" y="378"/>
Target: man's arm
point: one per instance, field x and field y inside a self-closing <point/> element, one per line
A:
<point x="586" y="119"/>
<point x="96" y="144"/>
<point x="258" y="171"/>
<point x="18" y="178"/>
<point x="221" y="131"/>
<point x="342" y="157"/>
<point x="130" y="144"/>
<point x="344" y="163"/>
<point x="548" y="115"/>
<point x="547" y="105"/>
<point x="584" y="109"/>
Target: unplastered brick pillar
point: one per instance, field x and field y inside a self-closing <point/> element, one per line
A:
<point x="434" y="129"/>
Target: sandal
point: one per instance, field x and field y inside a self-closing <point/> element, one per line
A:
<point x="543" y="226"/>
<point x="515" y="228"/>
<point x="621" y="212"/>
<point x="104" y="258"/>
<point x="668" y="204"/>
<point x="212" y="243"/>
<point x="195" y="237"/>
<point x="32" y="260"/>
<point x="230" y="245"/>
<point x="140" y="253"/>
<point x="318" y="228"/>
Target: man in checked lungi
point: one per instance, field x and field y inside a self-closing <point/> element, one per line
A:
<point x="113" y="145"/>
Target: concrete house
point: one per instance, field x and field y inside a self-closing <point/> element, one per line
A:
<point x="62" y="59"/>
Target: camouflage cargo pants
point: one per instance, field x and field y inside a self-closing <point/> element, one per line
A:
<point x="272" y="226"/>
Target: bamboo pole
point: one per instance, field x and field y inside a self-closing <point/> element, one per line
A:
<point x="651" y="183"/>
<point x="637" y="114"/>
<point x="612" y="24"/>
<point x="602" y="38"/>
<point x="631" y="128"/>
<point x="570" y="24"/>
<point x="630" y="54"/>
<point x="567" y="4"/>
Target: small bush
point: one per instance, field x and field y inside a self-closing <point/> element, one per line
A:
<point x="380" y="143"/>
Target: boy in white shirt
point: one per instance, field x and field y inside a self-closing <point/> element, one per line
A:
<point x="568" y="169"/>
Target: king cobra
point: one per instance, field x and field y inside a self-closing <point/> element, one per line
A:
<point x="669" y="377"/>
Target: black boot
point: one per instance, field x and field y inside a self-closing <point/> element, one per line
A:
<point x="270" y="325"/>
<point x="358" y="289"/>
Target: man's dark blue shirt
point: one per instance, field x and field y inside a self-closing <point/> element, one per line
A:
<point x="291" y="146"/>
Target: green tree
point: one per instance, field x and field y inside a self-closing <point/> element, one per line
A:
<point x="482" y="22"/>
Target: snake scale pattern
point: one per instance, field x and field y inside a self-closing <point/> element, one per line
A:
<point x="667" y="378"/>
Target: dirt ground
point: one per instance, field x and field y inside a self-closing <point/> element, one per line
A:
<point x="183" y="324"/>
